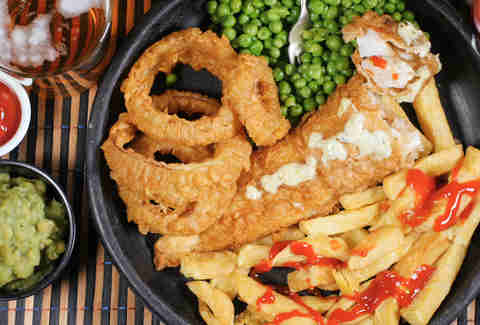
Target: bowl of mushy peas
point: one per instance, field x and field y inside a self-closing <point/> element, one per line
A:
<point x="37" y="230"/>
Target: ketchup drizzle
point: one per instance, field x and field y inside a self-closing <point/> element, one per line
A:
<point x="426" y="196"/>
<point x="267" y="298"/>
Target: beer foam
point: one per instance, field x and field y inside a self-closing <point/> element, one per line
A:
<point x="29" y="45"/>
<point x="72" y="8"/>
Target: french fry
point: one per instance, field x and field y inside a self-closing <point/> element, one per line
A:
<point x="228" y="284"/>
<point x="353" y="237"/>
<point x="208" y="265"/>
<point x="464" y="231"/>
<point x="342" y="303"/>
<point x="341" y="222"/>
<point x="248" y="317"/>
<point x="361" y="199"/>
<point x="426" y="250"/>
<point x="387" y="313"/>
<point x="436" y="164"/>
<point x="218" y="308"/>
<point x="320" y="304"/>
<point x="250" y="291"/>
<point x="290" y="233"/>
<point x="250" y="255"/>
<point x="422" y="308"/>
<point x="470" y="169"/>
<point x="346" y="281"/>
<point x="322" y="246"/>
<point x="431" y="117"/>
<point x="377" y="244"/>
<point x="397" y="207"/>
<point x="314" y="276"/>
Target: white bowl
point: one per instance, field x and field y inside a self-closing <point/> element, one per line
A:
<point x="25" y="107"/>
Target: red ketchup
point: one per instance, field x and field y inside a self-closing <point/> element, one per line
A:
<point x="10" y="114"/>
<point x="298" y="248"/>
<point x="267" y="298"/>
<point x="426" y="196"/>
<point x="387" y="284"/>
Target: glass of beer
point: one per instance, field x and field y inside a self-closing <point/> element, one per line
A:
<point x="53" y="41"/>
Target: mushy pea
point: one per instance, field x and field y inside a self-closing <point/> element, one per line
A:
<point x="31" y="231"/>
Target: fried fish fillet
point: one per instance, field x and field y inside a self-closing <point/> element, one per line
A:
<point x="352" y="142"/>
<point x="394" y="57"/>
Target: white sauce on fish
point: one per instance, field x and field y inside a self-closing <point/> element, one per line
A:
<point x="253" y="193"/>
<point x="414" y="38"/>
<point x="371" y="44"/>
<point x="290" y="174"/>
<point x="396" y="73"/>
<point x="377" y="143"/>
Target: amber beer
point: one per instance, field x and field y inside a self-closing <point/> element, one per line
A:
<point x="76" y="40"/>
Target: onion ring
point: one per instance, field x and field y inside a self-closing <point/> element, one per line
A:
<point x="174" y="198"/>
<point x="253" y="94"/>
<point x="205" y="50"/>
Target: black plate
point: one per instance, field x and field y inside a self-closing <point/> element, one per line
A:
<point x="164" y="292"/>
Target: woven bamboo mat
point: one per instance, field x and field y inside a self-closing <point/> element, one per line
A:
<point x="92" y="291"/>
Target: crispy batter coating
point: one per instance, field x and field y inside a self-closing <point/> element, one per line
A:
<point x="175" y="101"/>
<point x="253" y="94"/>
<point x="174" y="198"/>
<point x="247" y="219"/>
<point x="256" y="97"/>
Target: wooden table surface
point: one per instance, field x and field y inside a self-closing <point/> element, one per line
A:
<point x="92" y="291"/>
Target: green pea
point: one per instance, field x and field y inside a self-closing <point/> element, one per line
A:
<point x="230" y="33"/>
<point x="331" y="13"/>
<point x="245" y="51"/>
<point x="300" y="83"/>
<point x="276" y="27"/>
<point x="256" y="22"/>
<point x="250" y="29"/>
<point x="255" y="13"/>
<point x="328" y="87"/>
<point x="236" y="6"/>
<point x="334" y="42"/>
<point x="283" y="97"/>
<point x="339" y="79"/>
<point x="342" y="63"/>
<point x="316" y="49"/>
<point x="380" y="11"/>
<point x="290" y="101"/>
<point x="278" y="42"/>
<point x="278" y="74"/>
<point x="295" y="110"/>
<point x="320" y="99"/>
<point x="274" y="53"/>
<point x="170" y="79"/>
<point x="270" y="3"/>
<point x="284" y="87"/>
<point x="223" y="10"/>
<point x="244" y="40"/>
<point x="284" y="110"/>
<point x="316" y="7"/>
<point x="320" y="34"/>
<point x="331" y="68"/>
<point x="370" y="3"/>
<point x="350" y="14"/>
<point x="306" y="58"/>
<point x="401" y="6"/>
<point x="357" y="1"/>
<point x="263" y="33"/>
<point x="331" y="25"/>
<point x="360" y="9"/>
<point x="287" y="3"/>
<point x="408" y="15"/>
<point x="397" y="16"/>
<point x="272" y="15"/>
<point x="307" y="34"/>
<point x="332" y="2"/>
<point x="304" y="70"/>
<point x="296" y="76"/>
<point x="305" y="92"/>
<point x="314" y="85"/>
<point x="316" y="71"/>
<point x="243" y="19"/>
<point x="229" y="21"/>
<point x="309" y="105"/>
<point x="211" y="7"/>
<point x="347" y="3"/>
<point x="343" y="20"/>
<point x="390" y="8"/>
<point x="348" y="72"/>
<point x="317" y="59"/>
<point x="258" y="3"/>
<point x="346" y="50"/>
<point x="256" y="47"/>
<point x="289" y="69"/>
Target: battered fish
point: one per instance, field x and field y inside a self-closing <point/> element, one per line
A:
<point x="352" y="142"/>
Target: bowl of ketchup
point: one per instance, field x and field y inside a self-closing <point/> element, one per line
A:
<point x="14" y="113"/>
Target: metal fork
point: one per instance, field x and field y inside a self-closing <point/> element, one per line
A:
<point x="295" y="36"/>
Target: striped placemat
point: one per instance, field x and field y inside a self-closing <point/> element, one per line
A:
<point x="92" y="291"/>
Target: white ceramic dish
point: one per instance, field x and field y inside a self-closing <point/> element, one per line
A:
<point x="25" y="107"/>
